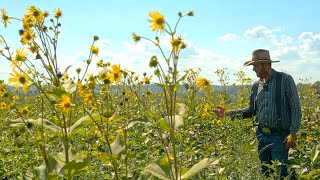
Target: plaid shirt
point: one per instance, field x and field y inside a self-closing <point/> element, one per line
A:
<point x="266" y="109"/>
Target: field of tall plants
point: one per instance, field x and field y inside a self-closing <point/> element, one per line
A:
<point x="117" y="124"/>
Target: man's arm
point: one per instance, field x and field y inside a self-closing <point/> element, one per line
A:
<point x="295" y="108"/>
<point x="294" y="104"/>
<point x="241" y="113"/>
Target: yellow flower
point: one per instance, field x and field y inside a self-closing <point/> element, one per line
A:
<point x="115" y="74"/>
<point x="100" y="63"/>
<point x="94" y="50"/>
<point x="3" y="105"/>
<point x="219" y="122"/>
<point x="55" y="118"/>
<point x="80" y="86"/>
<point x="102" y="75"/>
<point x="21" y="55"/>
<point x="206" y="110"/>
<point x="157" y="21"/>
<point x="65" y="103"/>
<point x="135" y="37"/>
<point x="88" y="98"/>
<point x="58" y="13"/>
<point x="147" y="80"/>
<point x="308" y="138"/>
<point x="26" y="22"/>
<point x="2" y="90"/>
<point x="25" y="111"/>
<point x="15" y="97"/>
<point x="20" y="78"/>
<point x="10" y="107"/>
<point x="5" y="18"/>
<point x="15" y="64"/>
<point x="34" y="14"/>
<point x="27" y="36"/>
<point x="175" y="43"/>
<point x="202" y="82"/>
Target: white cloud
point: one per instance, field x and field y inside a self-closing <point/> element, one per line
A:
<point x="228" y="37"/>
<point x="103" y="43"/>
<point x="310" y="43"/>
<point x="258" y="32"/>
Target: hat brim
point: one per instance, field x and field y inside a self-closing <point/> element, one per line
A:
<point x="248" y="63"/>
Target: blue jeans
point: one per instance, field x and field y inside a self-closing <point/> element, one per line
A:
<point x="270" y="147"/>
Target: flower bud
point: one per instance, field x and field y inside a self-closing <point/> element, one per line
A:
<point x="153" y="62"/>
<point x="190" y="13"/>
<point x="78" y="70"/>
<point x="135" y="37"/>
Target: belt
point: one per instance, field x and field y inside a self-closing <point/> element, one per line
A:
<point x="268" y="131"/>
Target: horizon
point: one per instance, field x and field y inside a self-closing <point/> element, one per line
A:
<point x="221" y="35"/>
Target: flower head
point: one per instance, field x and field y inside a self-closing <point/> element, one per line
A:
<point x="202" y="82"/>
<point x="21" y="55"/>
<point x="190" y="13"/>
<point x="5" y="18"/>
<point x="115" y="74"/>
<point x="34" y="15"/>
<point x="27" y="36"/>
<point x="176" y="43"/>
<point x="88" y="98"/>
<point x="153" y="62"/>
<point x="94" y="50"/>
<point x="147" y="80"/>
<point x="65" y="103"/>
<point x="157" y="21"/>
<point x="18" y="79"/>
<point x="25" y="111"/>
<point x="3" y="105"/>
<point x="206" y="110"/>
<point x="135" y="37"/>
<point x="58" y="13"/>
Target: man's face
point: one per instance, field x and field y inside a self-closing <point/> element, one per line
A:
<point x="260" y="70"/>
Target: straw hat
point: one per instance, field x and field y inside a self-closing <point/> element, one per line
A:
<point x="259" y="56"/>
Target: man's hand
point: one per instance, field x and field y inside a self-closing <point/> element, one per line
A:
<point x="220" y="111"/>
<point x="291" y="141"/>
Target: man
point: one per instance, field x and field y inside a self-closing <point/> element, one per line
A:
<point x="278" y="125"/>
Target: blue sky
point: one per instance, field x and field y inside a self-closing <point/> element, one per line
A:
<point x="222" y="34"/>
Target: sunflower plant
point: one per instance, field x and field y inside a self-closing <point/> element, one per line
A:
<point x="171" y="116"/>
<point x="52" y="109"/>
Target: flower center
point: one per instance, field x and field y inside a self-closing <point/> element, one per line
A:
<point x="160" y="21"/>
<point x="22" y="80"/>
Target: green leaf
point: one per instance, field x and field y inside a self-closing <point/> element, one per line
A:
<point x="66" y="70"/>
<point x="156" y="171"/>
<point x="85" y="121"/>
<point x="310" y="174"/>
<point x="117" y="146"/>
<point x="43" y="172"/>
<point x="40" y="122"/>
<point x="56" y="93"/>
<point x="70" y="86"/>
<point x="181" y="110"/>
<point x="48" y="124"/>
<point x="140" y="120"/>
<point x="195" y="169"/>
<point x="75" y="167"/>
<point x="104" y="157"/>
<point x="177" y="121"/>
<point x="314" y="153"/>
<point x="163" y="124"/>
